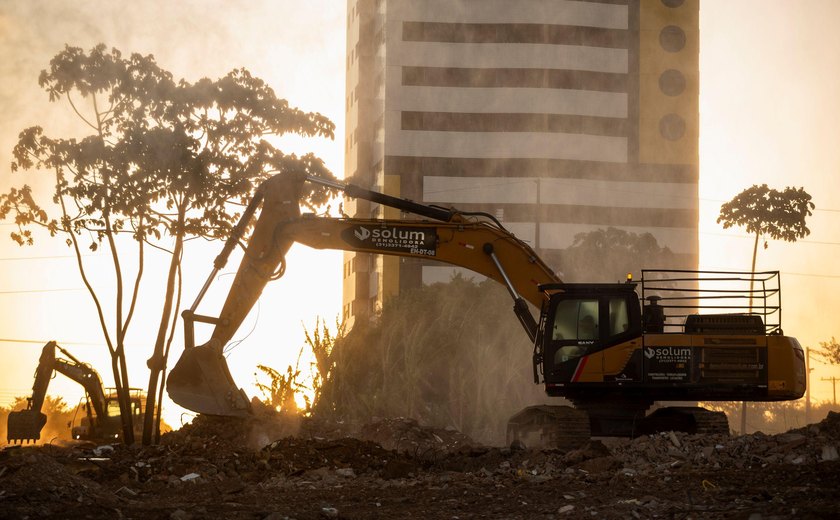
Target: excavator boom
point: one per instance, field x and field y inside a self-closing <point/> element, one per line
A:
<point x="26" y="425"/>
<point x="201" y="380"/>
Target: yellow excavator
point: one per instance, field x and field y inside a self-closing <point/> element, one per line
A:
<point x="611" y="349"/>
<point x="100" y="419"/>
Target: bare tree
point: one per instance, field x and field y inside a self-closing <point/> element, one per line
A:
<point x="164" y="161"/>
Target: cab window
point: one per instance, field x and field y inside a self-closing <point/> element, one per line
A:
<point x="113" y="408"/>
<point x="576" y="320"/>
<point x="619" y="316"/>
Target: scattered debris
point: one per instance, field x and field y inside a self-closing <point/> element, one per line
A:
<point x="395" y="468"/>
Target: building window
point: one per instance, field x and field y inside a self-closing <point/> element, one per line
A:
<point x="672" y="127"/>
<point x="672" y="82"/>
<point x="672" y="38"/>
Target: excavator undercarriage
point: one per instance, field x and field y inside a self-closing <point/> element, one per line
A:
<point x="567" y="427"/>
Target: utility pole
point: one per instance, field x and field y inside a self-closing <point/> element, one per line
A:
<point x="807" y="385"/>
<point x="833" y="387"/>
<point x="744" y="417"/>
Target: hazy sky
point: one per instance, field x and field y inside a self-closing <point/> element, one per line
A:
<point x="770" y="105"/>
<point x="769" y="111"/>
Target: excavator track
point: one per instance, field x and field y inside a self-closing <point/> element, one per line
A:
<point x="688" y="419"/>
<point x="709" y="422"/>
<point x="546" y="426"/>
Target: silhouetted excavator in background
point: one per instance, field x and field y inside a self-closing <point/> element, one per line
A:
<point x="611" y="349"/>
<point x="100" y="421"/>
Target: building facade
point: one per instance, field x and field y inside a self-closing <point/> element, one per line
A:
<point x="558" y="117"/>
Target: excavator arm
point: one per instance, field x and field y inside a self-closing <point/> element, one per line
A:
<point x="26" y="425"/>
<point x="201" y="380"/>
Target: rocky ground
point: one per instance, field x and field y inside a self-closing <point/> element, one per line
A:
<point x="395" y="468"/>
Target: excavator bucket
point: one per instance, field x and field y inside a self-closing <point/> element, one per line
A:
<point x="25" y="426"/>
<point x="201" y="382"/>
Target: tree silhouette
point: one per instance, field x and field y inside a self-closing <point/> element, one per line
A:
<point x="767" y="212"/>
<point x="829" y="351"/>
<point x="164" y="161"/>
<point x="607" y="255"/>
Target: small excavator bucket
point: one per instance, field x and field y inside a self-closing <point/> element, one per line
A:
<point x="25" y="426"/>
<point x="201" y="382"/>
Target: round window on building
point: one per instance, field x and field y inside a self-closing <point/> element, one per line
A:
<point x="672" y="82"/>
<point x="672" y="38"/>
<point x="673" y="3"/>
<point x="672" y="127"/>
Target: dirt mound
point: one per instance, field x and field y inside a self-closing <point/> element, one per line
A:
<point x="51" y="477"/>
<point x="349" y="457"/>
<point x="407" y="436"/>
<point x="253" y="432"/>
<point x="396" y="467"/>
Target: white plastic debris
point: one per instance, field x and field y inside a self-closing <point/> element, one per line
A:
<point x="100" y="451"/>
<point x="829" y="453"/>
<point x="631" y="501"/>
<point x="674" y="440"/>
<point x="126" y="491"/>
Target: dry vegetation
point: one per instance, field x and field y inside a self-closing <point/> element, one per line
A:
<point x="449" y="355"/>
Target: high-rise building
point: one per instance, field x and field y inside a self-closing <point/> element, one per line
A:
<point x="558" y="117"/>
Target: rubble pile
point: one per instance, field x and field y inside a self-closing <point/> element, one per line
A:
<point x="814" y="444"/>
<point x="342" y="457"/>
<point x="48" y="478"/>
<point x="396" y="468"/>
<point x="407" y="436"/>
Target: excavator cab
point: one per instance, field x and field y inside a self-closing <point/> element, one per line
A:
<point x="581" y="320"/>
<point x="108" y="426"/>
